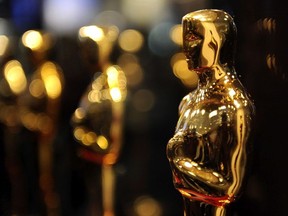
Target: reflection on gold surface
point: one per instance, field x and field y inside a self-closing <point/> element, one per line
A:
<point x="179" y="66"/>
<point x="210" y="151"/>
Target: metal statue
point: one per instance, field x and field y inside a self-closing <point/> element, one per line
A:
<point x="210" y="151"/>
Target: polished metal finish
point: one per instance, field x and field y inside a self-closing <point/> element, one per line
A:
<point x="210" y="151"/>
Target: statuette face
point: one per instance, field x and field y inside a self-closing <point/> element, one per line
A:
<point x="210" y="151"/>
<point x="209" y="38"/>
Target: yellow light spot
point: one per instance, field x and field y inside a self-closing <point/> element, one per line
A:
<point x="102" y="142"/>
<point x="79" y="113"/>
<point x="52" y="82"/>
<point x="93" y="32"/>
<point x="32" y="39"/>
<point x="91" y="137"/>
<point x="115" y="94"/>
<point x="236" y="103"/>
<point x="36" y="88"/>
<point x="117" y="83"/>
<point x="78" y="133"/>
<point x="131" y="40"/>
<point x="232" y="92"/>
<point x="112" y="74"/>
<point x="4" y="41"/>
<point x="15" y="76"/>
<point x="213" y="113"/>
<point x="180" y="69"/>
<point x="94" y="96"/>
<point x="147" y="206"/>
<point x="176" y="34"/>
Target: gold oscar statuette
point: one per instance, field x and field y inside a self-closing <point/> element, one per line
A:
<point x="210" y="151"/>
<point x="98" y="120"/>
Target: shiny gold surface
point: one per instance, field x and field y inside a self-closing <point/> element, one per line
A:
<point x="210" y="150"/>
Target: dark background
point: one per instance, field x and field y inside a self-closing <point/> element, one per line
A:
<point x="143" y="169"/>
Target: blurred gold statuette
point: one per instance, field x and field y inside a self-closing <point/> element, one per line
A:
<point x="97" y="121"/>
